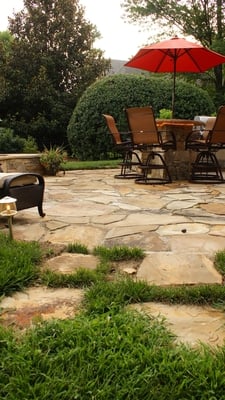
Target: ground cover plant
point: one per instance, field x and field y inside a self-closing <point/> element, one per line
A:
<point x="108" y="351"/>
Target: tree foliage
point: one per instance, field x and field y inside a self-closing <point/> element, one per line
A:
<point x="204" y="20"/>
<point x="87" y="132"/>
<point x="51" y="62"/>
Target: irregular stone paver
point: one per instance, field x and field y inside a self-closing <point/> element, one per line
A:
<point x="191" y="324"/>
<point x="89" y="236"/>
<point x="67" y="263"/>
<point x="190" y="228"/>
<point x="218" y="230"/>
<point x="174" y="205"/>
<point x="175" y="269"/>
<point x="139" y="219"/>
<point x="29" y="232"/>
<point x="74" y="209"/>
<point x="205" y="244"/>
<point x="145" y="202"/>
<point x="40" y="303"/>
<point x="149" y="242"/>
<point x="129" y="230"/>
<point x="215" y="208"/>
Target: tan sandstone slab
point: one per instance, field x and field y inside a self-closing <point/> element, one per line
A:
<point x="40" y="303"/>
<point x="179" y="205"/>
<point x="78" y="209"/>
<point x="68" y="263"/>
<point x="129" y="230"/>
<point x="176" y="269"/>
<point x="147" y="202"/>
<point x="151" y="219"/>
<point x="83" y="234"/>
<point x="215" y="208"/>
<point x="190" y="228"/>
<point x="206" y="244"/>
<point x="218" y="230"/>
<point x="28" y="232"/>
<point x="191" y="324"/>
<point x="148" y="241"/>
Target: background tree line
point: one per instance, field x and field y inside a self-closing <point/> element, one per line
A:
<point x="47" y="60"/>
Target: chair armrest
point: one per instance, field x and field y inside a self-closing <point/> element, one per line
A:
<point x="125" y="136"/>
<point x="196" y="139"/>
<point x="167" y="139"/>
<point x="22" y="179"/>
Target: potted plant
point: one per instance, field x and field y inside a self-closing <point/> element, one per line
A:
<point x="52" y="158"/>
<point x="164" y="113"/>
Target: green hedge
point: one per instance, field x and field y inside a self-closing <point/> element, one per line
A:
<point x="87" y="132"/>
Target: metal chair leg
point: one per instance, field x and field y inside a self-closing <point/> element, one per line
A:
<point x="206" y="168"/>
<point x="131" y="161"/>
<point x="150" y="166"/>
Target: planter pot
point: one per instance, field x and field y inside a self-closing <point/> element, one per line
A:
<point x="52" y="170"/>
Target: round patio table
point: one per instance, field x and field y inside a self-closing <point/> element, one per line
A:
<point x="180" y="127"/>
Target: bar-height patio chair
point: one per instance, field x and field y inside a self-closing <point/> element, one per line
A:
<point x="130" y="158"/>
<point x="148" y="139"/>
<point x="206" y="167"/>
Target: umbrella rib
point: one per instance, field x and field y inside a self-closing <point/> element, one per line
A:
<point x="193" y="60"/>
<point x="165" y="54"/>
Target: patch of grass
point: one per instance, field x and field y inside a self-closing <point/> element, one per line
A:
<point x="77" y="248"/>
<point x="123" y="355"/>
<point x="220" y="262"/>
<point x="119" y="253"/>
<point x="82" y="278"/>
<point x="76" y="165"/>
<point x="103" y="268"/>
<point x="107" y="351"/>
<point x="18" y="264"/>
<point x="104" y="296"/>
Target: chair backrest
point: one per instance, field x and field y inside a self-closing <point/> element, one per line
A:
<point x="141" y="121"/>
<point x="209" y="124"/>
<point x="217" y="131"/>
<point x="111" y="123"/>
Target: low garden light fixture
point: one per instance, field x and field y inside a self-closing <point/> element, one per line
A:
<point x="8" y="209"/>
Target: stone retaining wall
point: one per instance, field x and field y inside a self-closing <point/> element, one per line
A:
<point x="21" y="163"/>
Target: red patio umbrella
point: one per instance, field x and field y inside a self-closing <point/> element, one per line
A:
<point x="175" y="55"/>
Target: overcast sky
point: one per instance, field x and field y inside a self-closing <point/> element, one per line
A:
<point x="119" y="39"/>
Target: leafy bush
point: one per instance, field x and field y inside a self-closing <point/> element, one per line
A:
<point x="87" y="132"/>
<point x="30" y="146"/>
<point x="10" y="143"/>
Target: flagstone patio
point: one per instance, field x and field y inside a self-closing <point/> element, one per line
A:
<point x="180" y="226"/>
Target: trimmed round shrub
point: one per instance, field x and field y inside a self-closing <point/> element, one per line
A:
<point x="87" y="132"/>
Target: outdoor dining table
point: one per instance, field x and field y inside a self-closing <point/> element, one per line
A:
<point x="179" y="160"/>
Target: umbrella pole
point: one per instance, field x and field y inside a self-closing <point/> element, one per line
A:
<point x="174" y="84"/>
<point x="173" y="98"/>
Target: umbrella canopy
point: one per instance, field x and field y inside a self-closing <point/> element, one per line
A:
<point x="175" y="55"/>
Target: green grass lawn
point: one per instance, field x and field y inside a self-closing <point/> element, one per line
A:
<point x="107" y="351"/>
<point x="71" y="165"/>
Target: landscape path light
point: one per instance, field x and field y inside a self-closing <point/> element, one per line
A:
<point x="8" y="209"/>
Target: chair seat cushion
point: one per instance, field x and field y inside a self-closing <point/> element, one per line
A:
<point x="21" y="179"/>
